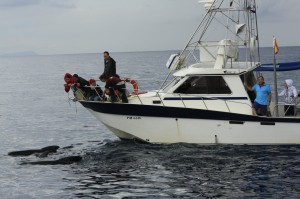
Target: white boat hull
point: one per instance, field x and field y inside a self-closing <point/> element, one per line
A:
<point x="201" y="131"/>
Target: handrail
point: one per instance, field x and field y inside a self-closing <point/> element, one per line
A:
<point x="203" y="98"/>
<point x="207" y="97"/>
<point x="152" y="80"/>
<point x="283" y="104"/>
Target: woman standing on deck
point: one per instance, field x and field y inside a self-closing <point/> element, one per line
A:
<point x="290" y="94"/>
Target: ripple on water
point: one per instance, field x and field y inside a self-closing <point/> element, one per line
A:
<point x="127" y="169"/>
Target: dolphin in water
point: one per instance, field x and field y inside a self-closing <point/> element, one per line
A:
<point x="61" y="161"/>
<point x="44" y="151"/>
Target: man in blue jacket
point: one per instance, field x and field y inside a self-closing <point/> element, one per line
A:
<point x="263" y="96"/>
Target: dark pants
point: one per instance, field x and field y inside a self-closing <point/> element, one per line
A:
<point x="289" y="110"/>
<point x="260" y="109"/>
<point x="122" y="89"/>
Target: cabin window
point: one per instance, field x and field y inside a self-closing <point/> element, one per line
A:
<point x="204" y="85"/>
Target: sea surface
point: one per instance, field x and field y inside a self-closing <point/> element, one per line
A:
<point x="36" y="112"/>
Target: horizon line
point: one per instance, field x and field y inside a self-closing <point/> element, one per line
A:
<point x="15" y="54"/>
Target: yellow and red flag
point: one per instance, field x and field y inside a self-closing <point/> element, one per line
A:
<point x="275" y="46"/>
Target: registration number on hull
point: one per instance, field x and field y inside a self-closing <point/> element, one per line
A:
<point x="133" y="118"/>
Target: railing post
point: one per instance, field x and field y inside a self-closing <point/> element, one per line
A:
<point x="116" y="93"/>
<point x="204" y="103"/>
<point x="227" y="106"/>
<point x="98" y="93"/>
<point x="182" y="100"/>
<point x="160" y="98"/>
<point x="139" y="98"/>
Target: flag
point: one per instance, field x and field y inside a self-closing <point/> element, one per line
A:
<point x="275" y="46"/>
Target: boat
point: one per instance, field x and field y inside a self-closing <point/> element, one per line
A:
<point x="203" y="99"/>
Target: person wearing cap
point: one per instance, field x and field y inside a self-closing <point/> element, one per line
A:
<point x="95" y="91"/>
<point x="113" y="86"/>
<point x="290" y="94"/>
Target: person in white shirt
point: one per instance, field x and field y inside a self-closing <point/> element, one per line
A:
<point x="290" y="94"/>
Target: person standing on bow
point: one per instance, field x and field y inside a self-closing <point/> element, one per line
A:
<point x="109" y="65"/>
<point x="290" y="94"/>
<point x="263" y="96"/>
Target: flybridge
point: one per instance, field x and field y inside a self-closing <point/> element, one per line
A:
<point x="226" y="27"/>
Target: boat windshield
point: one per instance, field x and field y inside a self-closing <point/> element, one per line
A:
<point x="204" y="85"/>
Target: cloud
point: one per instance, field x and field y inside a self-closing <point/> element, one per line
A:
<point x="18" y="3"/>
<point x="74" y="26"/>
<point x="66" y="4"/>
<point x="279" y="11"/>
<point x="279" y="18"/>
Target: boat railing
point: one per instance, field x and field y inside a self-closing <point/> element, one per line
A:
<point x="161" y="94"/>
<point x="284" y="113"/>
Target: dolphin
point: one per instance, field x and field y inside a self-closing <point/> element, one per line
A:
<point x="61" y="161"/>
<point x="45" y="150"/>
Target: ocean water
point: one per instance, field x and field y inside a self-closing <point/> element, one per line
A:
<point x="36" y="112"/>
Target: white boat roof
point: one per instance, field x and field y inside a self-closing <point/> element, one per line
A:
<point x="207" y="68"/>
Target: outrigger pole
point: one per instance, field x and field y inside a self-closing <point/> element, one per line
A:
<point x="276" y="50"/>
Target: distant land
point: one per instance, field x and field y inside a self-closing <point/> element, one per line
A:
<point x="19" y="54"/>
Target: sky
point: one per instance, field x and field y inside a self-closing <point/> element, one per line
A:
<point x="91" y="26"/>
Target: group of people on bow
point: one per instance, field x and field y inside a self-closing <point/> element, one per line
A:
<point x="91" y="91"/>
